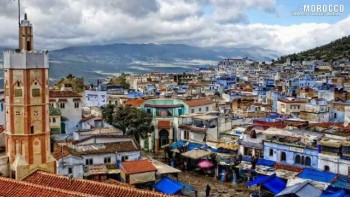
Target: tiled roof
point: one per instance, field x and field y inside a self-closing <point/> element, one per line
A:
<point x="115" y="182"/>
<point x="62" y="94"/>
<point x="163" y="106"/>
<point x="134" y="102"/>
<point x="163" y="124"/>
<point x="61" y="151"/>
<point x="137" y="166"/>
<point x="105" y="136"/>
<point x="15" y="188"/>
<point x="198" y="102"/>
<point x="87" y="187"/>
<point x="87" y="118"/>
<point x="112" y="147"/>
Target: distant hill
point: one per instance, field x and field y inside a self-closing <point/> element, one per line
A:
<point x="98" y="61"/>
<point x="337" y="49"/>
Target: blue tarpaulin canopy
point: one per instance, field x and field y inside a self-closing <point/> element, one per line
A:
<point x="342" y="182"/>
<point x="178" y="144"/>
<point x="170" y="186"/>
<point x="317" y="175"/>
<point x="266" y="162"/>
<point x="271" y="183"/>
<point x="340" y="193"/>
<point x="190" y="145"/>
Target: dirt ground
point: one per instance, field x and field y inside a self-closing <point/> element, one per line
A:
<point x="218" y="188"/>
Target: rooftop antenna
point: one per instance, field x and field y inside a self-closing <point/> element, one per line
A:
<point x="19" y="13"/>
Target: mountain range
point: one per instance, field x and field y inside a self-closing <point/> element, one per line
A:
<point x="98" y="61"/>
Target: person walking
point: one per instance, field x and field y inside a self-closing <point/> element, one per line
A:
<point x="207" y="191"/>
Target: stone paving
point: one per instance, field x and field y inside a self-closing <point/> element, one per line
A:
<point x="200" y="181"/>
<point x="218" y="188"/>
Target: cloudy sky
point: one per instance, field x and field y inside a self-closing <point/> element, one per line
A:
<point x="206" y="23"/>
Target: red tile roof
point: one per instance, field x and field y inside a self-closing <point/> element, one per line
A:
<point x="62" y="94"/>
<point x="163" y="124"/>
<point x="15" y="188"/>
<point x="87" y="118"/>
<point x="66" y="184"/>
<point x="137" y="166"/>
<point x="198" y="102"/>
<point x="60" y="152"/>
<point x="134" y="102"/>
<point x="163" y="106"/>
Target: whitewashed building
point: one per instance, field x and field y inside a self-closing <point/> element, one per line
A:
<point x="95" y="157"/>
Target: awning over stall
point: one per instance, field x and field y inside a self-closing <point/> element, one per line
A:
<point x="271" y="183"/>
<point x="196" y="154"/>
<point x="170" y="186"/>
<point x="301" y="189"/>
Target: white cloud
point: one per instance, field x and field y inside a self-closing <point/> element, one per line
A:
<point x="64" y="23"/>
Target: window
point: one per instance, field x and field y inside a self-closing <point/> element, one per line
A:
<point x="200" y="109"/>
<point x="76" y="105"/>
<point x="32" y="130"/>
<point x="35" y="92"/>
<point x="207" y="108"/>
<point x="18" y="113"/>
<point x="271" y="152"/>
<point x="53" y="120"/>
<point x="89" y="162"/>
<point x="297" y="159"/>
<point x="283" y="156"/>
<point x="308" y="161"/>
<point x="70" y="170"/>
<point x="148" y="110"/>
<point x="192" y="111"/>
<point x="18" y="92"/>
<point x="125" y="158"/>
<point x="107" y="160"/>
<point x="2" y="106"/>
<point x="62" y="105"/>
<point x="326" y="168"/>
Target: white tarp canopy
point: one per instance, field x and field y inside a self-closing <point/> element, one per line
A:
<point x="196" y="153"/>
<point x="142" y="177"/>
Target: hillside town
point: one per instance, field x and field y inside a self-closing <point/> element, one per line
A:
<point x="237" y="128"/>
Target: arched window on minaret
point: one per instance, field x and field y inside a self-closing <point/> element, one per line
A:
<point x="23" y="149"/>
<point x="32" y="130"/>
<point x="17" y="147"/>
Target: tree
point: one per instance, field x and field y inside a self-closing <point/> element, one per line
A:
<point x="131" y="120"/>
<point x="107" y="113"/>
<point x="121" y="80"/>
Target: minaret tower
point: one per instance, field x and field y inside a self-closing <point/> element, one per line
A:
<point x="26" y="106"/>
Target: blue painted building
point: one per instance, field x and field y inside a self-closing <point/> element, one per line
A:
<point x="225" y="81"/>
<point x="291" y="154"/>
